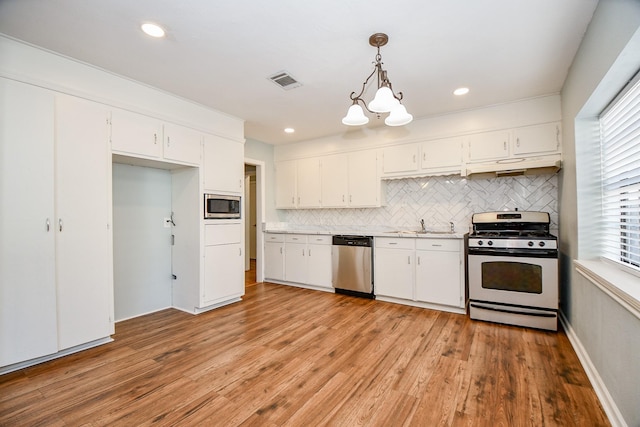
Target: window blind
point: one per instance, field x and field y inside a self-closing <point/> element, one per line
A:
<point x="620" y="162"/>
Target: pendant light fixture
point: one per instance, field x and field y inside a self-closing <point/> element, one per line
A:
<point x="385" y="100"/>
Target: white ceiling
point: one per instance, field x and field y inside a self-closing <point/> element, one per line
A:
<point x="221" y="53"/>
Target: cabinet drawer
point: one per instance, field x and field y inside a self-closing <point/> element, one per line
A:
<point x="319" y="240"/>
<point x="450" y="245"/>
<point x="221" y="234"/>
<point x="270" y="237"/>
<point x="295" y="238"/>
<point x="395" y="243"/>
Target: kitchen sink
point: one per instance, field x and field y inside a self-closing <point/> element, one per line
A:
<point x="420" y="232"/>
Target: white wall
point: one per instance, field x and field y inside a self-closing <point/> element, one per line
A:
<point x="608" y="334"/>
<point x="264" y="152"/>
<point x="141" y="243"/>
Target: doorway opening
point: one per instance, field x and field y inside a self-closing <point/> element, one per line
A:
<point x="254" y="212"/>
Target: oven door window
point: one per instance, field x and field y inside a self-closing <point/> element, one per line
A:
<point x="512" y="276"/>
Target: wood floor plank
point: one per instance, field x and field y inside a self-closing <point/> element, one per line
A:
<point x="287" y="356"/>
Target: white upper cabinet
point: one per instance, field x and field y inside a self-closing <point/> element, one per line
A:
<point x="537" y="139"/>
<point x="286" y="184"/>
<point x="441" y="155"/>
<point x="400" y="158"/>
<point x="488" y="146"/>
<point x="309" y="193"/>
<point x="364" y="179"/>
<point x="182" y="144"/>
<point x="223" y="165"/>
<point x="136" y="134"/>
<point x="334" y="181"/>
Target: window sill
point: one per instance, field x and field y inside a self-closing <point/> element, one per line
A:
<point x="619" y="285"/>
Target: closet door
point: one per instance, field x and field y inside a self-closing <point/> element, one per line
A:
<point x="27" y="275"/>
<point x="83" y="256"/>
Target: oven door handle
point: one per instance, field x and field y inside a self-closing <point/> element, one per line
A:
<point x="504" y="310"/>
<point x="515" y="252"/>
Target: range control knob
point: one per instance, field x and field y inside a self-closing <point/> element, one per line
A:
<point x="541" y="244"/>
<point x="530" y="243"/>
<point x="490" y="243"/>
<point x="480" y="243"/>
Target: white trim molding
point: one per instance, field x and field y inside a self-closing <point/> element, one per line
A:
<point x="607" y="402"/>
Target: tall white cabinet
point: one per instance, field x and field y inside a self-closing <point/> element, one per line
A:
<point x="55" y="277"/>
<point x="27" y="247"/>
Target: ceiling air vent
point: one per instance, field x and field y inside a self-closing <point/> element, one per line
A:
<point x="285" y="80"/>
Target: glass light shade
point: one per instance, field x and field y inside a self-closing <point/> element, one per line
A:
<point x="355" y="116"/>
<point x="398" y="116"/>
<point x="384" y="101"/>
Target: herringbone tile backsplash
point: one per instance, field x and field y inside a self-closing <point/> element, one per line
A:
<point x="439" y="200"/>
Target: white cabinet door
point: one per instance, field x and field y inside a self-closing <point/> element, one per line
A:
<point x="537" y="139"/>
<point x="83" y="252"/>
<point x="27" y="270"/>
<point x="286" y="184"/>
<point x="223" y="273"/>
<point x="274" y="260"/>
<point x="319" y="261"/>
<point x="489" y="146"/>
<point x="308" y="177"/>
<point x="223" y="165"/>
<point x="438" y="277"/>
<point x="441" y="153"/>
<point x="400" y="158"/>
<point x="364" y="179"/>
<point x="394" y="273"/>
<point x="334" y="181"/>
<point x="136" y="134"/>
<point x="295" y="262"/>
<point x="182" y="144"/>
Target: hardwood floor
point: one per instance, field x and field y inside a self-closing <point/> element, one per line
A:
<point x="295" y="357"/>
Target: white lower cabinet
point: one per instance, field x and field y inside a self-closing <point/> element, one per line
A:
<point x="394" y="267"/>
<point x="274" y="256"/>
<point x="55" y="262"/>
<point x="439" y="271"/>
<point x="420" y="270"/>
<point x="298" y="259"/>
<point x="223" y="264"/>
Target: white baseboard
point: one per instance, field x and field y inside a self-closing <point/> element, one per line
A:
<point x="607" y="402"/>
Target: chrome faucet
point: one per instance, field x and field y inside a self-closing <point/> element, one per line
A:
<point x="453" y="227"/>
<point x="422" y="230"/>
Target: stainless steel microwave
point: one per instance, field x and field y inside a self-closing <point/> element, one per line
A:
<point x="218" y="206"/>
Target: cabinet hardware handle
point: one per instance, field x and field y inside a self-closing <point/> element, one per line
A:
<point x="418" y="260"/>
<point x="303" y="252"/>
<point x="240" y="251"/>
<point x="414" y="158"/>
<point x="343" y="197"/>
<point x="60" y="224"/>
<point x="309" y="252"/>
<point x="437" y="246"/>
<point x="517" y="142"/>
<point x="168" y="141"/>
<point x="350" y="198"/>
<point x="424" y="157"/>
<point x="409" y="260"/>
<point x="280" y="249"/>
<point x="505" y="145"/>
<point x="155" y="138"/>
<point x="48" y="225"/>
<point x="393" y="243"/>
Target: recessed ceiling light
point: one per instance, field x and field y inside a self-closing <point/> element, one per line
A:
<point x="153" y="30"/>
<point x="461" y="91"/>
<point x="289" y="130"/>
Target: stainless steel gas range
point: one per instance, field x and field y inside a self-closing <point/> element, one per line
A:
<point x="513" y="269"/>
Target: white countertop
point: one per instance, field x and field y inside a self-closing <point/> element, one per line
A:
<point x="365" y="232"/>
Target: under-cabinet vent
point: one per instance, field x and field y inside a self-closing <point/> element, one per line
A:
<point x="285" y="80"/>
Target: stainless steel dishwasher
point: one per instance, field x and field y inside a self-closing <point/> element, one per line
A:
<point x="352" y="260"/>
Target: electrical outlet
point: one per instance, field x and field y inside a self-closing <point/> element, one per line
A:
<point x="167" y="223"/>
